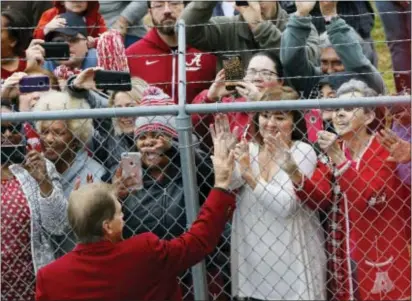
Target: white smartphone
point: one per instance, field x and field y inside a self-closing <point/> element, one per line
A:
<point x="131" y="163"/>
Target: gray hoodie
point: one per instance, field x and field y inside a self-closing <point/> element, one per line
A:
<point x="133" y="11"/>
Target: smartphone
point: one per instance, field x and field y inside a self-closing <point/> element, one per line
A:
<point x="32" y="138"/>
<point x="234" y="70"/>
<point x="242" y="3"/>
<point x="56" y="51"/>
<point x="131" y="163"/>
<point x="36" y="83"/>
<point x="314" y="124"/>
<point x="113" y="80"/>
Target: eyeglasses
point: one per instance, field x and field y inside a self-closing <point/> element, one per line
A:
<point x="267" y="74"/>
<point x="12" y="128"/>
<point x="161" y="5"/>
<point x="70" y="40"/>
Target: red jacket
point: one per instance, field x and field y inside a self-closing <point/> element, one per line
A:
<point x="94" y="20"/>
<point x="154" y="61"/>
<point x="143" y="267"/>
<point x="367" y="226"/>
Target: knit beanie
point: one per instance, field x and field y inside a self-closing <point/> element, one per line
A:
<point x="154" y="96"/>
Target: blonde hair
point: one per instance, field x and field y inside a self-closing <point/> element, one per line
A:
<point x="89" y="207"/>
<point x="81" y="129"/>
<point x="138" y="87"/>
<point x="136" y="94"/>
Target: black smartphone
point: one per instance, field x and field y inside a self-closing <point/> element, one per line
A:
<point x="242" y="3"/>
<point x="113" y="80"/>
<point x="234" y="70"/>
<point x="56" y="51"/>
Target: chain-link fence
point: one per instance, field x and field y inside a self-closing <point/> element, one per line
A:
<point x="275" y="245"/>
<point x="314" y="220"/>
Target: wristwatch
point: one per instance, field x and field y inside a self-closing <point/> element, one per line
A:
<point x="329" y="19"/>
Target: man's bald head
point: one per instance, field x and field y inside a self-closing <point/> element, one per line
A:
<point x="89" y="207"/>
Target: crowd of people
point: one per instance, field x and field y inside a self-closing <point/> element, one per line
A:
<point x="295" y="205"/>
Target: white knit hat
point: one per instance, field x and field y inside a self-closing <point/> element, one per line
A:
<point x="154" y="96"/>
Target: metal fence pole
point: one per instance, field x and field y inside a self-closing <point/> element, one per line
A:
<point x="185" y="131"/>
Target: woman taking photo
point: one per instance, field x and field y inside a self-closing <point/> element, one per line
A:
<point x="32" y="208"/>
<point x="276" y="242"/>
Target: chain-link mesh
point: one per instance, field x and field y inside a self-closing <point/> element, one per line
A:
<point x="313" y="221"/>
<point x="286" y="240"/>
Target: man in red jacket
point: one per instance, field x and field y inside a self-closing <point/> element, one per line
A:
<point x="103" y="266"/>
<point x="155" y="58"/>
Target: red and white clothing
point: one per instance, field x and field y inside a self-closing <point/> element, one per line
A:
<point x="157" y="63"/>
<point x="367" y="242"/>
<point x="236" y="119"/>
<point x="17" y="273"/>
<point x="5" y="74"/>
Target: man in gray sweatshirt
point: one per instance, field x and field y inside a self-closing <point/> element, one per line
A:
<point x="126" y="16"/>
<point x="340" y="50"/>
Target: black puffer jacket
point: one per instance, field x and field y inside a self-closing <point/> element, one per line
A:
<point x="160" y="206"/>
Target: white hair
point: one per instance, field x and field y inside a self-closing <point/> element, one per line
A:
<point x="82" y="129"/>
<point x="355" y="85"/>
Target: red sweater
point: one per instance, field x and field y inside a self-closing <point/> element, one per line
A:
<point x="154" y="61"/>
<point x="20" y="68"/>
<point x="241" y="120"/>
<point x="143" y="267"/>
<point x="94" y="20"/>
<point x="367" y="226"/>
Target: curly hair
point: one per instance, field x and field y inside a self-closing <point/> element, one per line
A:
<point x="81" y="129"/>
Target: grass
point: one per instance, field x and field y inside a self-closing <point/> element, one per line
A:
<point x="384" y="56"/>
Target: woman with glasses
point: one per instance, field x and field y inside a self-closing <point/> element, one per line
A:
<point x="263" y="72"/>
<point x="32" y="208"/>
<point x="367" y="243"/>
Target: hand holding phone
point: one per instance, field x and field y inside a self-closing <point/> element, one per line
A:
<point x="131" y="164"/>
<point x="233" y="70"/>
<point x="314" y="124"/>
<point x="38" y="83"/>
<point x="113" y="80"/>
<point x="56" y="51"/>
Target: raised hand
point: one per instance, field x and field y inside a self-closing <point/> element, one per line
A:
<point x="251" y="14"/>
<point x="242" y="156"/>
<point x="85" y="80"/>
<point x="55" y="23"/>
<point x="328" y="142"/>
<point x="35" y="53"/>
<point x="329" y="8"/>
<point x="303" y="8"/>
<point x="218" y="88"/>
<point x="399" y="149"/>
<point x="222" y="127"/>
<point x="123" y="185"/>
<point x="223" y="158"/>
<point x="248" y="90"/>
<point x="78" y="182"/>
<point x="280" y="148"/>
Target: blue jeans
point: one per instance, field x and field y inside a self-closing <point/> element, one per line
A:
<point x="398" y="27"/>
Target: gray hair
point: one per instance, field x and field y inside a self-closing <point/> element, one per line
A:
<point x="355" y="85"/>
<point x="324" y="42"/>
